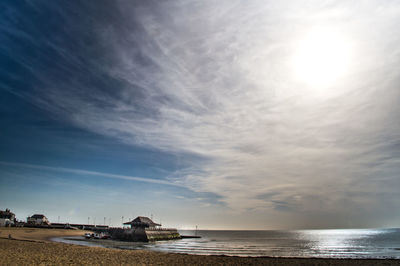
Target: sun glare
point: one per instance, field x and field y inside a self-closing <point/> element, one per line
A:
<point x="322" y="58"/>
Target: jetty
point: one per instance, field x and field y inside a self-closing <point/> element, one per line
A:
<point x="143" y="229"/>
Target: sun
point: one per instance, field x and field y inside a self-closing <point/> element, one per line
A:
<point x="322" y="58"/>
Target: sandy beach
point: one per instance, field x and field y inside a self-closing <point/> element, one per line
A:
<point x="33" y="246"/>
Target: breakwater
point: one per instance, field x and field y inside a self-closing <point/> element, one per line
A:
<point x="144" y="234"/>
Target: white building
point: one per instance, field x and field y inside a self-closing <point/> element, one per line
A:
<point x="38" y="219"/>
<point x="7" y="218"/>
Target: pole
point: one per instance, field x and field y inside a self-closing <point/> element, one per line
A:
<point x="88" y="220"/>
<point x="104" y="221"/>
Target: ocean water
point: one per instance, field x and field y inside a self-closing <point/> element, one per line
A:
<point x="343" y="243"/>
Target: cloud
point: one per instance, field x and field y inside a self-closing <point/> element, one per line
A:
<point x="215" y="80"/>
<point x="84" y="172"/>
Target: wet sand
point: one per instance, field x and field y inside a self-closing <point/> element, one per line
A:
<point x="32" y="246"/>
<point x="37" y="234"/>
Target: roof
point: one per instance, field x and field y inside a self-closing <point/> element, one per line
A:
<point x="7" y="214"/>
<point x="142" y="221"/>
<point x="38" y="216"/>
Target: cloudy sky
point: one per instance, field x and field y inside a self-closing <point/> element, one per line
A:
<point x="222" y="114"/>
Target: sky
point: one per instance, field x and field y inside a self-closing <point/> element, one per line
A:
<point x="222" y="114"/>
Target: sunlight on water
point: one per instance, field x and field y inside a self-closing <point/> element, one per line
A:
<point x="344" y="243"/>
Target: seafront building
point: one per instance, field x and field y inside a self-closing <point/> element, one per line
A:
<point x="143" y="229"/>
<point x="7" y="218"/>
<point x="142" y="221"/>
<point x="38" y="219"/>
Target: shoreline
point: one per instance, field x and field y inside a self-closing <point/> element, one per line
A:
<point x="102" y="244"/>
<point x="36" y="247"/>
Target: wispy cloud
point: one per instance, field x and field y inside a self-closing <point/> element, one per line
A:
<point x="91" y="173"/>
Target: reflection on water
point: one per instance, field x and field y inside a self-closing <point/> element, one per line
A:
<point x="359" y="243"/>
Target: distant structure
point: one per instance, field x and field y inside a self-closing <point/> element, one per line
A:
<point x="7" y="218"/>
<point x="38" y="219"/>
<point x="142" y="222"/>
<point x="143" y="229"/>
<point x="79" y="226"/>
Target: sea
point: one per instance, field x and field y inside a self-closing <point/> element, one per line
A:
<point x="335" y="243"/>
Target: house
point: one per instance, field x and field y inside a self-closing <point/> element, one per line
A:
<point x="7" y="218"/>
<point x="143" y="222"/>
<point x="143" y="229"/>
<point x="38" y="219"/>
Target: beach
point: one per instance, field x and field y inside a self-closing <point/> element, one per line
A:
<point x="33" y="246"/>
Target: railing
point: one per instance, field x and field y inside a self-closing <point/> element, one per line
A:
<point x="147" y="228"/>
<point x="161" y="229"/>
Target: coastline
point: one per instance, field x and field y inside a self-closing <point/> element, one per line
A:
<point x="33" y="246"/>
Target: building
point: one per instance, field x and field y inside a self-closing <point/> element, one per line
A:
<point x="38" y="219"/>
<point x="7" y="218"/>
<point x="143" y="222"/>
<point x="143" y="229"/>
